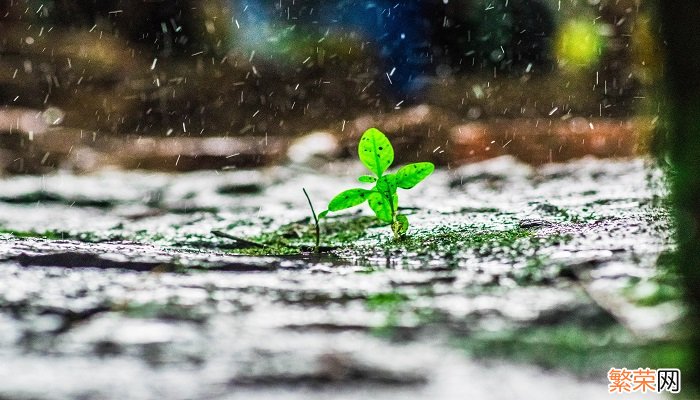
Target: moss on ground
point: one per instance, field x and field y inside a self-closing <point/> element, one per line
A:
<point x="385" y="300"/>
<point x="51" y="235"/>
<point x="585" y="351"/>
<point x="449" y="240"/>
<point x="366" y="237"/>
<point x="353" y="237"/>
<point x="299" y="237"/>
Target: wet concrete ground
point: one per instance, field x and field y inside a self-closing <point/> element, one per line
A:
<point x="515" y="283"/>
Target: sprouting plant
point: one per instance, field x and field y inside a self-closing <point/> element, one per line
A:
<point x="313" y="214"/>
<point x="376" y="153"/>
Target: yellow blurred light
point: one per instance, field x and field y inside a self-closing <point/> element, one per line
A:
<point x="578" y="44"/>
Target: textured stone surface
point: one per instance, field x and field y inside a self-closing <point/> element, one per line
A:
<point x="112" y="286"/>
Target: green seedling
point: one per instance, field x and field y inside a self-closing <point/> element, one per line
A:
<point x="313" y="214"/>
<point x="377" y="154"/>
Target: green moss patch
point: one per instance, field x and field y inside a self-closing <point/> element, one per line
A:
<point x="585" y="351"/>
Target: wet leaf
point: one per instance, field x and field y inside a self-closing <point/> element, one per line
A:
<point x="410" y="175"/>
<point x="367" y="179"/>
<point x="375" y="151"/>
<point x="380" y="205"/>
<point x="323" y="214"/>
<point x="348" y="198"/>
<point x="400" y="226"/>
<point x="386" y="184"/>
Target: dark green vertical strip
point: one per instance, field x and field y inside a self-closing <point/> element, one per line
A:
<point x="680" y="30"/>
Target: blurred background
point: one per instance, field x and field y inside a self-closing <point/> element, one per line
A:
<point x="192" y="84"/>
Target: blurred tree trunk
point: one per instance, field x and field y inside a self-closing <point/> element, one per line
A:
<point x="680" y="27"/>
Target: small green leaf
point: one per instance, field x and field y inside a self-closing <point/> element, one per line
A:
<point x="367" y="179"/>
<point x="400" y="225"/>
<point x="348" y="198"/>
<point x="410" y="175"/>
<point x="375" y="151"/>
<point x="380" y="206"/>
<point x="323" y="214"/>
<point x="386" y="184"/>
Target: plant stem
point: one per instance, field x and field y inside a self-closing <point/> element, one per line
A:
<point x="394" y="209"/>
<point x="318" y="229"/>
<point x="389" y="196"/>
